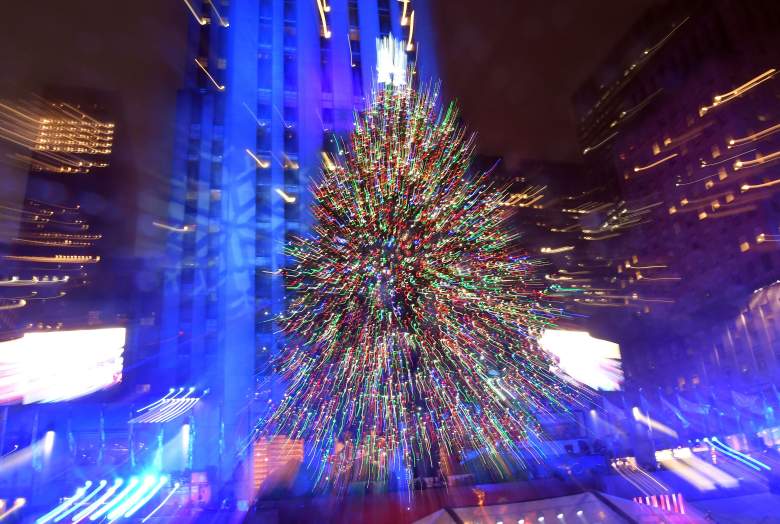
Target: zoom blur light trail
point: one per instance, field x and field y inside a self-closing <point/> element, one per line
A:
<point x="163" y="480"/>
<point x="161" y="504"/>
<point x="415" y="314"/>
<point x="83" y="502"/>
<point x="67" y="503"/>
<point x="169" y="407"/>
<point x="132" y="498"/>
<point x="725" y="448"/>
<point x="81" y="515"/>
<point x="116" y="500"/>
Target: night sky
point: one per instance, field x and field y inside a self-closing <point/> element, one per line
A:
<point x="512" y="64"/>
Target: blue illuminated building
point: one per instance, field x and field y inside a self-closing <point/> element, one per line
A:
<point x="269" y="84"/>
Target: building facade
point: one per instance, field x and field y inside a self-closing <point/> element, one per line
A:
<point x="270" y="86"/>
<point x="681" y="121"/>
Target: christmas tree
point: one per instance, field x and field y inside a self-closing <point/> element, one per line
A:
<point x="413" y="328"/>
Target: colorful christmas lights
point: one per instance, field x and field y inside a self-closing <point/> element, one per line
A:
<point x="414" y="323"/>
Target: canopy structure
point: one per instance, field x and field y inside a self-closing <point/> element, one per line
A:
<point x="579" y="508"/>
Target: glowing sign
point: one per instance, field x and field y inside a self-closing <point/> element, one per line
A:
<point x="390" y="61"/>
<point x="60" y="365"/>
<point x="587" y="360"/>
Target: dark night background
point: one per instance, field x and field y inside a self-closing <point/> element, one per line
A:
<point x="511" y="64"/>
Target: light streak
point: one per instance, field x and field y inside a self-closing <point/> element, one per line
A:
<point x="603" y="237"/>
<point x="146" y="498"/>
<point x="18" y="504"/>
<point x="287" y="198"/>
<point x="121" y="508"/>
<point x="222" y="21"/>
<point x="748" y="187"/>
<point x="652" y="423"/>
<point x="81" y="515"/>
<point x="167" y="408"/>
<point x="161" y="504"/>
<point x="83" y="502"/>
<point x="742" y="164"/>
<point x="724" y="160"/>
<point x="13" y="305"/>
<point x="202" y="20"/>
<point x="646" y="54"/>
<point x="763" y="237"/>
<point x="183" y="229"/>
<point x="206" y="72"/>
<point x="725" y="446"/>
<point x="734" y="142"/>
<point x="659" y="266"/>
<point x="720" y="478"/>
<point x="116" y="500"/>
<point x="739" y="91"/>
<point x="65" y="244"/>
<point x="596" y="146"/>
<point x="325" y="30"/>
<point x="404" y="19"/>
<point x="171" y="393"/>
<point x="351" y="61"/>
<point x="71" y="236"/>
<point x="680" y="184"/>
<point x="554" y="250"/>
<point x="690" y="475"/>
<point x="641" y="105"/>
<point x="265" y="164"/>
<point x="409" y="44"/>
<point x="56" y="259"/>
<point x="34" y="281"/>
<point x="65" y="505"/>
<point x="638" y="169"/>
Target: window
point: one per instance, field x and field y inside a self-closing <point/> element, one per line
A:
<point x="290" y="72"/>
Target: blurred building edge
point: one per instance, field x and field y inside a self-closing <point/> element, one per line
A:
<point x="65" y="219"/>
<point x="275" y="464"/>
<point x="680" y="122"/>
<point x="269" y="83"/>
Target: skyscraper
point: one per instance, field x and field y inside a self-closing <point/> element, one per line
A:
<point x="270" y="85"/>
<point x="680" y="121"/>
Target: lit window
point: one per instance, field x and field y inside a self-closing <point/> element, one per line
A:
<point x="715" y="151"/>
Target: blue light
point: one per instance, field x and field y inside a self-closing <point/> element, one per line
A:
<point x="146" y="498"/>
<point x="65" y="504"/>
<point x="161" y="504"/>
<point x="713" y="443"/>
<point x="724" y="447"/>
<point x="120" y="509"/>
<point x="82" y="502"/>
<point x="104" y="497"/>
<point x="116" y="500"/>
